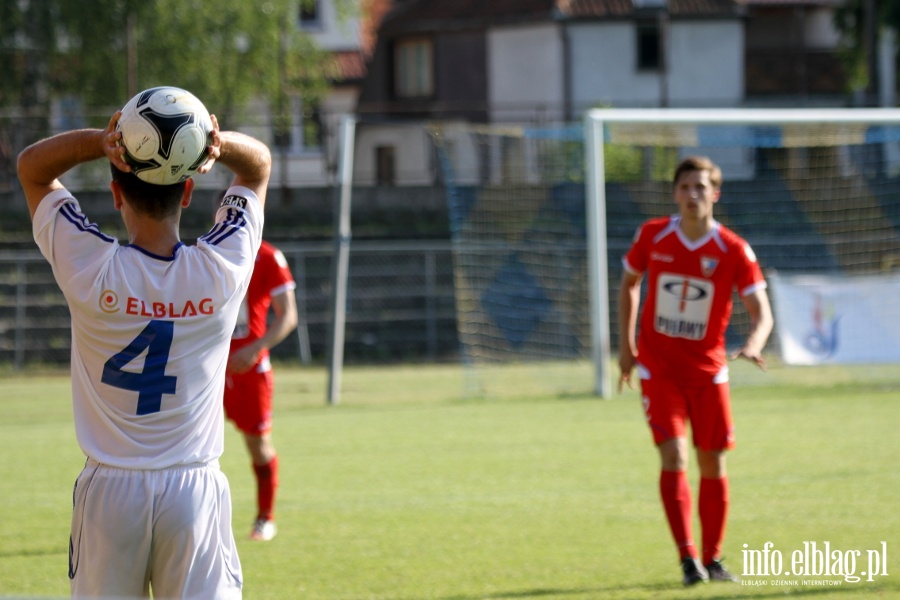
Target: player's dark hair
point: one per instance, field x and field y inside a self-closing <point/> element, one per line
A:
<point x="699" y="163"/>
<point x="154" y="200"/>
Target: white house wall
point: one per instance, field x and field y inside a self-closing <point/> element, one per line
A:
<point x="334" y="31"/>
<point x="316" y="167"/>
<point x="339" y="103"/>
<point x="525" y="75"/>
<point x="819" y="30"/>
<point x="413" y="153"/>
<point x="706" y="64"/>
<point x="462" y="151"/>
<point x="604" y="72"/>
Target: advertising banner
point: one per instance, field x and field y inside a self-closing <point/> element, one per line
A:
<point x="837" y="319"/>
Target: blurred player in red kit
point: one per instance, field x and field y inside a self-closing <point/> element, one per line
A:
<point x="249" y="383"/>
<point x="692" y="264"/>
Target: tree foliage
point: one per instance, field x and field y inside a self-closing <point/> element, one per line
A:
<point x="227" y="52"/>
<point x="850" y="20"/>
<point x="85" y="59"/>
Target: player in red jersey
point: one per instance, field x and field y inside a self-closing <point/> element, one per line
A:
<point x="692" y="265"/>
<point x="248" y="380"/>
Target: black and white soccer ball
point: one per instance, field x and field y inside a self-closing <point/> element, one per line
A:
<point x="166" y="134"/>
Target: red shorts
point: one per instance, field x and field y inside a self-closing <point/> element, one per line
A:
<point x="248" y="400"/>
<point x="669" y="407"/>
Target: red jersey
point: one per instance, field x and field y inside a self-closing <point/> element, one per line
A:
<point x="689" y="296"/>
<point x="271" y="277"/>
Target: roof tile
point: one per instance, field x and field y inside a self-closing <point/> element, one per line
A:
<point x="432" y="15"/>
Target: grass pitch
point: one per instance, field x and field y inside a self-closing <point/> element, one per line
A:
<point x="407" y="490"/>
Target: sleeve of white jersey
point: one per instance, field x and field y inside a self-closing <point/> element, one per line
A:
<point x="60" y="229"/>
<point x="238" y="228"/>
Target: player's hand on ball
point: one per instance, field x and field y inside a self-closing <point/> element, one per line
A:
<point x="112" y="144"/>
<point x="213" y="150"/>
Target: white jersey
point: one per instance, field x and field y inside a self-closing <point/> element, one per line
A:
<point x="150" y="334"/>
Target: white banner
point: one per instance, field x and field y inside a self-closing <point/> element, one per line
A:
<point x="831" y="319"/>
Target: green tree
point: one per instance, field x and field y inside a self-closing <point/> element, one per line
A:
<point x="226" y="52"/>
<point x="99" y="53"/>
<point x="859" y="21"/>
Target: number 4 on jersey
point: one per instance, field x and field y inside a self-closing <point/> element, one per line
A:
<point x="152" y="382"/>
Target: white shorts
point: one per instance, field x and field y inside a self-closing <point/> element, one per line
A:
<point x="167" y="529"/>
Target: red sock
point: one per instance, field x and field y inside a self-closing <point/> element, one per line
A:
<point x="266" y="484"/>
<point x="676" y="498"/>
<point x="713" y="507"/>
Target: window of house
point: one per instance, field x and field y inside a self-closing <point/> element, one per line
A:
<point x="413" y="69"/>
<point x="301" y="132"/>
<point x="282" y="138"/>
<point x="311" y="124"/>
<point x="649" y="46"/>
<point x="309" y="13"/>
<point x="385" y="165"/>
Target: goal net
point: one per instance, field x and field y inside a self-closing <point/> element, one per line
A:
<point x="541" y="217"/>
<point x="517" y="217"/>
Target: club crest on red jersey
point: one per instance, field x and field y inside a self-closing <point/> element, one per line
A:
<point x="708" y="264"/>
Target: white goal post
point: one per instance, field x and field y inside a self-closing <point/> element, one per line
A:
<point x="340" y="265"/>
<point x="863" y="240"/>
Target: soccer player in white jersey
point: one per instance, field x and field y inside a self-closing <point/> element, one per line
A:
<point x="692" y="265"/>
<point x="151" y="326"/>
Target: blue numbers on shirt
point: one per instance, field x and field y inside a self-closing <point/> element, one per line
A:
<point x="152" y="382"/>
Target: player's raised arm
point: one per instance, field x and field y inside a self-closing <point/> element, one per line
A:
<point x="41" y="164"/>
<point x="245" y="156"/>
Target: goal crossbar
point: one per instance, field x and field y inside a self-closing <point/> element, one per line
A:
<point x="866" y="124"/>
<point x="745" y="116"/>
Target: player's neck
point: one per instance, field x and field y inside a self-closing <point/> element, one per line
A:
<point x="156" y="237"/>
<point x="695" y="228"/>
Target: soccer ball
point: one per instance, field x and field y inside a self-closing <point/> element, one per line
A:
<point x="166" y="133"/>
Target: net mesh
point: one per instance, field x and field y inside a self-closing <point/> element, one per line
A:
<point x="517" y="212"/>
<point x="810" y="198"/>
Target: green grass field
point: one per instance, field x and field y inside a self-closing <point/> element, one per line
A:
<point x="407" y="490"/>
